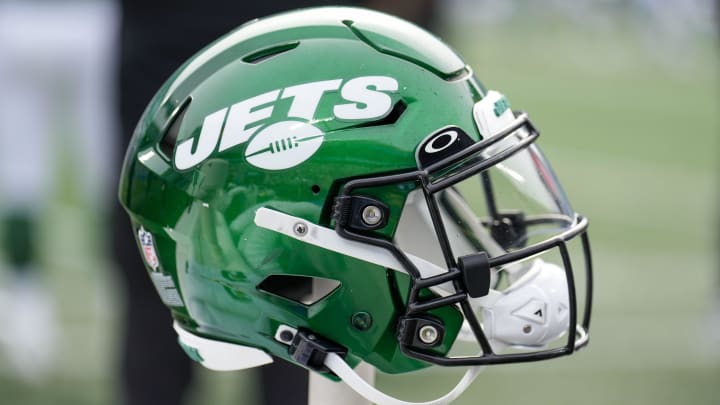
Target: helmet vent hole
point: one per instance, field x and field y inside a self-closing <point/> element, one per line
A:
<point x="315" y="189"/>
<point x="267" y="53"/>
<point x="391" y="118"/>
<point x="301" y="289"/>
<point x="168" y="141"/>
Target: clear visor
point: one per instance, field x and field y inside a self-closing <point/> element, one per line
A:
<point x="509" y="206"/>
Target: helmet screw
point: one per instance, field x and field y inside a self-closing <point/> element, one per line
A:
<point x="428" y="334"/>
<point x="372" y="215"/>
<point x="300" y="229"/>
<point x="527" y="329"/>
<point x="362" y="320"/>
<point x="286" y="336"/>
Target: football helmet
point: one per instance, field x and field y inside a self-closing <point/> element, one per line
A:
<point x="334" y="185"/>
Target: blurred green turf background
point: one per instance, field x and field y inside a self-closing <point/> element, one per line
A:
<point x="629" y="123"/>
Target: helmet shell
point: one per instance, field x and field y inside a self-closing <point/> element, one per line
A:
<point x="201" y="213"/>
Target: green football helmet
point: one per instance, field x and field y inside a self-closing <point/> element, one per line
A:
<point x="333" y="185"/>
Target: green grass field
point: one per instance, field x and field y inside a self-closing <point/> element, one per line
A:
<point x="633" y="134"/>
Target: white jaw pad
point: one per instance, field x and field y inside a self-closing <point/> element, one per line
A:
<point x="533" y="311"/>
<point x="221" y="356"/>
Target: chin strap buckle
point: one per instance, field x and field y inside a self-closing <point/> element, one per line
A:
<point x="310" y="350"/>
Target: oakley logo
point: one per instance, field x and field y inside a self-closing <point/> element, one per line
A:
<point x="441" y="141"/>
<point x="282" y="145"/>
<point x="441" y="144"/>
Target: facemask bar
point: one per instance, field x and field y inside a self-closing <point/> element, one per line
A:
<point x="440" y="176"/>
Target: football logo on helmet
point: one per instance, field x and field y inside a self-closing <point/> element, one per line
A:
<point x="283" y="145"/>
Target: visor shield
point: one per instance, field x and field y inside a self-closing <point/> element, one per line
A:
<point x="511" y="205"/>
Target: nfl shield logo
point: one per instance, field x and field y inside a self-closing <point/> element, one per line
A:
<point x="148" y="248"/>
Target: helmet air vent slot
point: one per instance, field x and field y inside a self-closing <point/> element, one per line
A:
<point x="391" y="118"/>
<point x="168" y="141"/>
<point x="267" y="53"/>
<point x="301" y="289"/>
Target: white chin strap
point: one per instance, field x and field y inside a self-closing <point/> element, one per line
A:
<point x="372" y="394"/>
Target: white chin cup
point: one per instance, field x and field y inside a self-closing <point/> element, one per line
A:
<point x="533" y="311"/>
